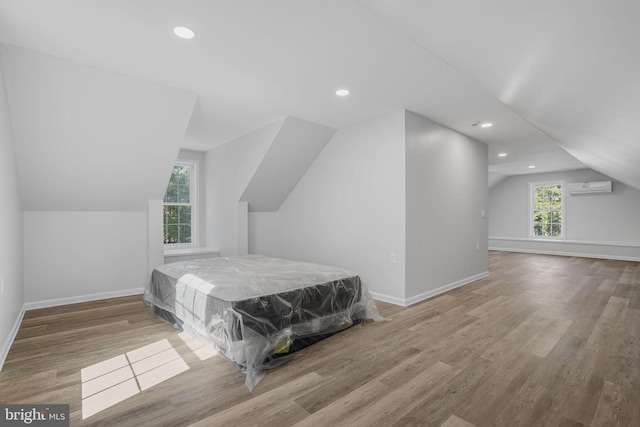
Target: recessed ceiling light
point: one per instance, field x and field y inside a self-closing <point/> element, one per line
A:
<point x="184" y="32"/>
<point x="532" y="166"/>
<point x="486" y="125"/>
<point x="502" y="155"/>
<point x="342" y="92"/>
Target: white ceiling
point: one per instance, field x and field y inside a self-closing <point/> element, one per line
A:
<point x="559" y="80"/>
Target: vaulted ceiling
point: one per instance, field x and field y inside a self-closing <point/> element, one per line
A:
<point x="558" y="80"/>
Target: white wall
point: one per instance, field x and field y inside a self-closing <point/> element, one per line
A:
<point x="230" y="167"/>
<point x="446" y="191"/>
<point x="348" y="210"/>
<point x="264" y="234"/>
<point x="604" y="225"/>
<point x="92" y="148"/>
<point x="89" y="139"/>
<point x="89" y="148"/>
<point x="11" y="229"/>
<point x="290" y="154"/>
<point x="80" y="256"/>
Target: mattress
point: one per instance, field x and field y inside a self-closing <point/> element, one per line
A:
<point x="255" y="310"/>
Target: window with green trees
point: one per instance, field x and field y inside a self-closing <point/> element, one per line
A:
<point x="547" y="210"/>
<point x="179" y="205"/>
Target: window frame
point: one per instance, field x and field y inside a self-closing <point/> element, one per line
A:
<point x="563" y="210"/>
<point x="193" y="202"/>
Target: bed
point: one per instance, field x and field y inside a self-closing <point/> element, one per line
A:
<point x="258" y="311"/>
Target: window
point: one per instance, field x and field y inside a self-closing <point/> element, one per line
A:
<point x="179" y="205"/>
<point x="547" y="210"/>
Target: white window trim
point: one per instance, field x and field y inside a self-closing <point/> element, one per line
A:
<point x="193" y="196"/>
<point x="563" y="225"/>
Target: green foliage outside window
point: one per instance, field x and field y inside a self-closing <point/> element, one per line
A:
<point x="177" y="207"/>
<point x="547" y="210"/>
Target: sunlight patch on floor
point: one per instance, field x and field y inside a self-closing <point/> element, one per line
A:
<point x="203" y="350"/>
<point x="117" y="379"/>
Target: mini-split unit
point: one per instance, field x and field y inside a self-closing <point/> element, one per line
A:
<point x="589" y="187"/>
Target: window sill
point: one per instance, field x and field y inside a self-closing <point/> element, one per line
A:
<point x="172" y="255"/>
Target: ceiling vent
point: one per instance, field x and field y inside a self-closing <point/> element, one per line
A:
<point x="589" y="187"/>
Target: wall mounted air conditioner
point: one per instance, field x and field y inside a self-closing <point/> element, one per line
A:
<point x="589" y="187"/>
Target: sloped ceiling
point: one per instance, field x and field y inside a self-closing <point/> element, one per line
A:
<point x="293" y="150"/>
<point x="88" y="139"/>
<point x="557" y="79"/>
<point x="570" y="68"/>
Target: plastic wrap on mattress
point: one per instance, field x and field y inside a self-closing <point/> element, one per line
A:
<point x="257" y="310"/>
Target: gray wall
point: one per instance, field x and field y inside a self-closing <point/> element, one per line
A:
<point x="82" y="256"/>
<point x="400" y="186"/>
<point x="88" y="139"/>
<point x="229" y="170"/>
<point x="603" y="224"/>
<point x="11" y="246"/>
<point x="264" y="234"/>
<point x="92" y="148"/>
<point x="290" y="154"/>
<point x="348" y="210"/>
<point x="446" y="192"/>
<point x="397" y="200"/>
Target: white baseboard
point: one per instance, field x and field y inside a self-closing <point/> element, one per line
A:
<point x="387" y="298"/>
<point x="429" y="294"/>
<point x="561" y="253"/>
<point x="568" y="241"/>
<point x="82" y="298"/>
<point x="6" y="346"/>
<point x="623" y="251"/>
<point x="432" y="293"/>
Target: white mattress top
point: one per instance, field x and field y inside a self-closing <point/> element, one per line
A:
<point x="250" y="276"/>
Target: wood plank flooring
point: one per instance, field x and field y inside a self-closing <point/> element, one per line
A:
<point x="543" y="341"/>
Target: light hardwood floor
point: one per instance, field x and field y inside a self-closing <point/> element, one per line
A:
<point x="544" y="340"/>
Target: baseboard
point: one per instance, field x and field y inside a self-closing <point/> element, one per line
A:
<point x="387" y="298"/>
<point x="429" y="294"/>
<point x="82" y="298"/>
<point x="432" y="293"/>
<point x="6" y="346"/>
<point x="623" y="251"/>
<point x="568" y="241"/>
<point x="563" y="253"/>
